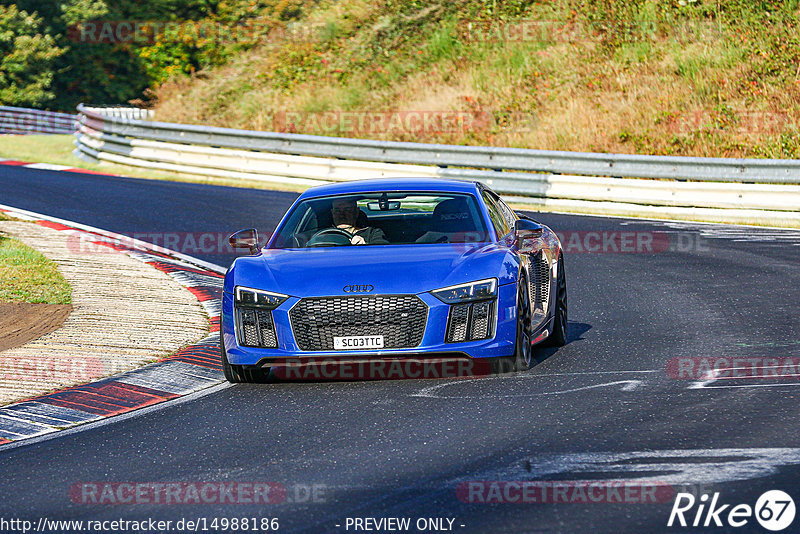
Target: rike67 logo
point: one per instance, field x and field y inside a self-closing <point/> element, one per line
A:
<point x="774" y="510"/>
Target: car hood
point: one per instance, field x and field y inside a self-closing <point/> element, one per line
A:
<point x="389" y="269"/>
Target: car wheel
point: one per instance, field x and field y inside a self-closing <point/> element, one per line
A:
<point x="558" y="338"/>
<point x="238" y="374"/>
<point x="523" y="352"/>
<point x="522" y="360"/>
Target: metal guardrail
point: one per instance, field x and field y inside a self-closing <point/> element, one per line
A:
<point x="14" y="120"/>
<point x="519" y="159"/>
<point x="119" y="112"/>
<point x="743" y="188"/>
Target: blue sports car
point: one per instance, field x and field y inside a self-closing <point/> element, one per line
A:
<point x="393" y="269"/>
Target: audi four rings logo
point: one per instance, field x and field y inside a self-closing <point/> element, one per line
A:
<point x="358" y="288"/>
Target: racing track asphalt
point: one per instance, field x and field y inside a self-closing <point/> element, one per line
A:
<point x="401" y="448"/>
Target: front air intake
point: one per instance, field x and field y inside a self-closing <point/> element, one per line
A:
<point x="256" y="328"/>
<point x="470" y="322"/>
<point x="540" y="283"/>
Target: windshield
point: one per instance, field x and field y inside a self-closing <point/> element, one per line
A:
<point x="383" y="218"/>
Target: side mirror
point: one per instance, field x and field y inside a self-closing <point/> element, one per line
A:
<point x="527" y="235"/>
<point x="245" y="239"/>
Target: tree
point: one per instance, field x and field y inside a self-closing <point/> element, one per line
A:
<point x="71" y="69"/>
<point x="28" y="58"/>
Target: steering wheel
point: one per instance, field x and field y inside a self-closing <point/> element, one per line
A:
<point x="329" y="231"/>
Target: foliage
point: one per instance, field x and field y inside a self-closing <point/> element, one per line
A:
<point x="694" y="77"/>
<point x="120" y="70"/>
<point x="26" y="72"/>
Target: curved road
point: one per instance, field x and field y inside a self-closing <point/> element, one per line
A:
<point x="606" y="408"/>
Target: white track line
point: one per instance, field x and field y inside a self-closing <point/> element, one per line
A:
<point x="115" y="419"/>
<point x="120" y="237"/>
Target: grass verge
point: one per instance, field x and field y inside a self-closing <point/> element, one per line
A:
<point x="57" y="149"/>
<point x="28" y="276"/>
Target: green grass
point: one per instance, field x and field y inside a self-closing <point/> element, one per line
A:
<point x="39" y="148"/>
<point x="443" y="44"/>
<point x="57" y="149"/>
<point x="28" y="276"/>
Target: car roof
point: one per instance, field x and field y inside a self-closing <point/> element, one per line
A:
<point x="440" y="185"/>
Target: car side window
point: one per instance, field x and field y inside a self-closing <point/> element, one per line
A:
<point x="508" y="213"/>
<point x="498" y="221"/>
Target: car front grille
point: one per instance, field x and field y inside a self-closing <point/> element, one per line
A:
<point x="400" y="319"/>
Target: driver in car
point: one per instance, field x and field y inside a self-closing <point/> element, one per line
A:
<point x="345" y="214"/>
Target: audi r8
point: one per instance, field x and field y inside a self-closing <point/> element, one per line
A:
<point x="394" y="268"/>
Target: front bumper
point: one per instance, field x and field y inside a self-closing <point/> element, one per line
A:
<point x="433" y="341"/>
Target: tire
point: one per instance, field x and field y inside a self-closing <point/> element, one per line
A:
<point x="522" y="360"/>
<point x="523" y="352"/>
<point x="240" y="374"/>
<point x="558" y="338"/>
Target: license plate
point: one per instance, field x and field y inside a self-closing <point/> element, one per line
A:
<point x="358" y="342"/>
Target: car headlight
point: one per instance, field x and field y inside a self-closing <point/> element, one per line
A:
<point x="246" y="296"/>
<point x="479" y="290"/>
